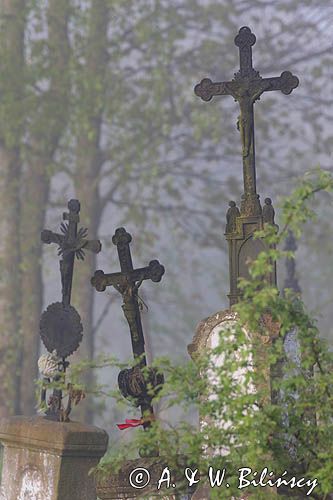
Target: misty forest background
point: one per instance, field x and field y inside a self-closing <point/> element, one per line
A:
<point x="97" y="103"/>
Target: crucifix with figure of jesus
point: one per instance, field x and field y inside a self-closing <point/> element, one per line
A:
<point x="246" y="88"/>
<point x="133" y="382"/>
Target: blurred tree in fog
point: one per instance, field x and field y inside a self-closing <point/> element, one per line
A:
<point x="11" y="130"/>
<point x="34" y="112"/>
<point x="100" y="95"/>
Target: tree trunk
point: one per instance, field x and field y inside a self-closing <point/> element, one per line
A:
<point x="87" y="176"/>
<point x="47" y="128"/>
<point x="10" y="282"/>
<point x="84" y="293"/>
<point x="36" y="188"/>
<point x="11" y="128"/>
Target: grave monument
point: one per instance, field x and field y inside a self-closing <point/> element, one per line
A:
<point x="49" y="457"/>
<point x="133" y="383"/>
<point x="60" y="325"/>
<point x="246" y="88"/>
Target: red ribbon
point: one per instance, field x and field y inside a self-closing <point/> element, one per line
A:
<point x="130" y="422"/>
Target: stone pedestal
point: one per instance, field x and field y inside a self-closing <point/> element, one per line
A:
<point x="243" y="247"/>
<point x="140" y="478"/>
<point x="47" y="460"/>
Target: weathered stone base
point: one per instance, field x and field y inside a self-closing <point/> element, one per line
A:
<point x="117" y="486"/>
<point x="47" y="460"/>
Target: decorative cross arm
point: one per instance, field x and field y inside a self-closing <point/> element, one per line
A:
<point x="286" y="82"/>
<point x="78" y="245"/>
<point x="207" y="89"/>
<point x="154" y="271"/>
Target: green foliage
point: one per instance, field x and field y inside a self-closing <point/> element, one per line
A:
<point x="244" y="422"/>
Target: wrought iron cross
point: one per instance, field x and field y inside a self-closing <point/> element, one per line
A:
<point x="246" y="88"/>
<point x="60" y="324"/>
<point x="72" y="243"/>
<point x="127" y="282"/>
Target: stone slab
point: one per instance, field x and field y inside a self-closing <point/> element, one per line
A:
<point x="48" y="460"/>
<point x="117" y="486"/>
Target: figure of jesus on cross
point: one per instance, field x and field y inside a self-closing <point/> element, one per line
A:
<point x="132" y="382"/>
<point x="246" y="88"/>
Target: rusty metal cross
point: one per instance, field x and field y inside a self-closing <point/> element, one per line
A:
<point x="60" y="325"/>
<point x="246" y="88"/>
<point x="127" y="283"/>
<point x="71" y="243"/>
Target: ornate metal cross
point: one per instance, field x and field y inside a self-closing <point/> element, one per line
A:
<point x="60" y="324"/>
<point x="246" y="88"/>
<point x="72" y="243"/>
<point x="127" y="282"/>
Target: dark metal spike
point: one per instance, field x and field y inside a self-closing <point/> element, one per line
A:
<point x="80" y="254"/>
<point x="64" y="228"/>
<point x="83" y="232"/>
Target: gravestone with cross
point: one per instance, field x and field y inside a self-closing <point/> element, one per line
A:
<point x="132" y="382"/>
<point x="60" y="325"/>
<point x="246" y="88"/>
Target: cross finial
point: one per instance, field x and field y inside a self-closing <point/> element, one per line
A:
<point x="74" y="206"/>
<point x="121" y="237"/>
<point x="245" y="41"/>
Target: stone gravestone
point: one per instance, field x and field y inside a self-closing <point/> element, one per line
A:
<point x="246" y="88"/>
<point x="49" y="458"/>
<point x="207" y="337"/>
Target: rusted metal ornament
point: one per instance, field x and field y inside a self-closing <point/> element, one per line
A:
<point x="134" y="386"/>
<point x="61" y="329"/>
